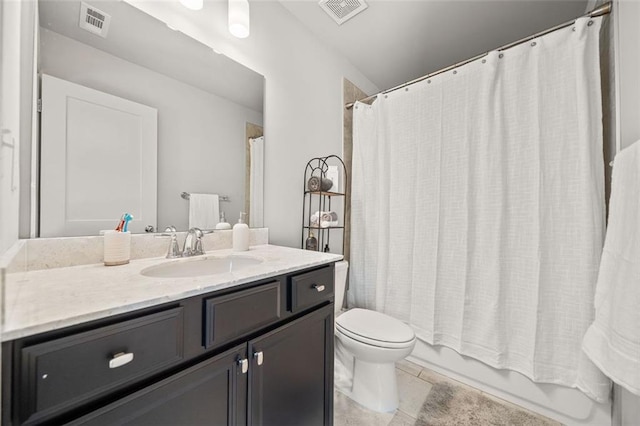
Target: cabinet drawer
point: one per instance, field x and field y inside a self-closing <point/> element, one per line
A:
<point x="238" y="314"/>
<point x="311" y="288"/>
<point x="63" y="373"/>
<point x="212" y="392"/>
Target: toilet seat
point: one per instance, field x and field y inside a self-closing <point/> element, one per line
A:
<point x="375" y="329"/>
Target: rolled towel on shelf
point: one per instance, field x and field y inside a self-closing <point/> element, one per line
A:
<point x="328" y="219"/>
<point x="328" y="224"/>
<point x="314" y="220"/>
<point x="317" y="183"/>
<point x="324" y="219"/>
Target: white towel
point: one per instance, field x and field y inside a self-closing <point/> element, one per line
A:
<point x="326" y="219"/>
<point x="204" y="211"/>
<point x="613" y="340"/>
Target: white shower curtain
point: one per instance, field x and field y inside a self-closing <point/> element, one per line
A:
<point x="478" y="207"/>
<point x="256" y="182"/>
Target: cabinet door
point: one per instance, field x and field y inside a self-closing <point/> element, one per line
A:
<point x="210" y="393"/>
<point x="291" y="373"/>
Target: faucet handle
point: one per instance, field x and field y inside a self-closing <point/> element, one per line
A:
<point x="174" y="248"/>
<point x="168" y="232"/>
<point x="197" y="247"/>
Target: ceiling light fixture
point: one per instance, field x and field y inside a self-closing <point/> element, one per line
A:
<point x="192" y="4"/>
<point x="239" y="18"/>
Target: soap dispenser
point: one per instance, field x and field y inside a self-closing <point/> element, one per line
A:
<point x="223" y="224"/>
<point x="241" y="234"/>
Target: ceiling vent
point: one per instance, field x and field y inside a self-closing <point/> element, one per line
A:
<point x="94" y="20"/>
<point x="342" y="10"/>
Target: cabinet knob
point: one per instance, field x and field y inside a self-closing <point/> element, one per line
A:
<point x="120" y="359"/>
<point x="318" y="287"/>
<point x="259" y="357"/>
<point x="244" y="365"/>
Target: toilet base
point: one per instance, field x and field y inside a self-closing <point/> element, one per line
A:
<point x="375" y="386"/>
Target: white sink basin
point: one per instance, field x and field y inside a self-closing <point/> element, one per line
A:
<point x="200" y="266"/>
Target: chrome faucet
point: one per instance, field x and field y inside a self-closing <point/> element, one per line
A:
<point x="193" y="243"/>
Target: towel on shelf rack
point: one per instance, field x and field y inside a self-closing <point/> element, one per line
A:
<point x="324" y="219"/>
<point x="317" y="183"/>
<point x="613" y="340"/>
<point x="204" y="211"/>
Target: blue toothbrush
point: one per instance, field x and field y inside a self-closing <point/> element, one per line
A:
<point x="127" y="219"/>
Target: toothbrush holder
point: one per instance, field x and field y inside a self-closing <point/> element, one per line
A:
<point x="117" y="248"/>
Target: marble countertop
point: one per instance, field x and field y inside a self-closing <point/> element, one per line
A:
<point x="45" y="300"/>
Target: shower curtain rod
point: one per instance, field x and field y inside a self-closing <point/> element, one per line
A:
<point x="601" y="10"/>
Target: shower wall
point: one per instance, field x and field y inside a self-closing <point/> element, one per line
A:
<point x="351" y="93"/>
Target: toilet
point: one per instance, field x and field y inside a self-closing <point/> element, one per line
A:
<point x="368" y="344"/>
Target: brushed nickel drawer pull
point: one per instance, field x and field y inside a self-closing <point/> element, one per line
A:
<point x="259" y="357"/>
<point x="244" y="365"/>
<point x="120" y="359"/>
<point x="318" y="288"/>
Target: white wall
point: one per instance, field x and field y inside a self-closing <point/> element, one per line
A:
<point x="627" y="14"/>
<point x="10" y="69"/>
<point x="303" y="96"/>
<point x="303" y="109"/>
<point x="201" y="137"/>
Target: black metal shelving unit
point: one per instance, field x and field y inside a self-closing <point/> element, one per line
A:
<point x="321" y="201"/>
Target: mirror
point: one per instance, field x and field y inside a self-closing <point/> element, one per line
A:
<point x="208" y="106"/>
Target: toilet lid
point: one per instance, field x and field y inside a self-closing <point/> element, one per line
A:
<point x="374" y="327"/>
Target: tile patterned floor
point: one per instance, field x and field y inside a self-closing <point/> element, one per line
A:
<point x="430" y="399"/>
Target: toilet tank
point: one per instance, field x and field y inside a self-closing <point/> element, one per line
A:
<point x="340" y="283"/>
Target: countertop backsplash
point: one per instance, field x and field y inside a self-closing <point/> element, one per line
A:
<point x="47" y="253"/>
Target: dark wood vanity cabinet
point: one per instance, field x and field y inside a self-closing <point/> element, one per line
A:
<point x="245" y="356"/>
<point x="209" y="393"/>
<point x="290" y="379"/>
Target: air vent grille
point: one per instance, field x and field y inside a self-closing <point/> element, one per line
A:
<point x="94" y="20"/>
<point x="342" y="10"/>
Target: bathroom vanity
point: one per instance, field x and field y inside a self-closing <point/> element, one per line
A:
<point x="253" y="347"/>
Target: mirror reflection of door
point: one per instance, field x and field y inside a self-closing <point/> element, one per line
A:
<point x="98" y="160"/>
<point x="203" y="99"/>
<point x="254" y="176"/>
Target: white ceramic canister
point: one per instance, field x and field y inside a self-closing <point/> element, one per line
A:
<point x="117" y="248"/>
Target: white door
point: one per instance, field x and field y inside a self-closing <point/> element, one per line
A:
<point x="98" y="160"/>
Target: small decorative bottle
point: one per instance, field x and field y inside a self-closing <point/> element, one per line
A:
<point x="241" y="234"/>
<point x="311" y="243"/>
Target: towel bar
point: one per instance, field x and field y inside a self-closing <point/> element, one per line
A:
<point x="186" y="196"/>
